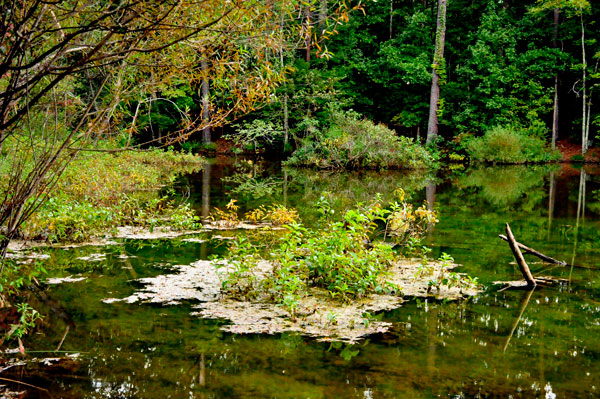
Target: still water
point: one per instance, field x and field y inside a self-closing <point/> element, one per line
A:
<point x="501" y="344"/>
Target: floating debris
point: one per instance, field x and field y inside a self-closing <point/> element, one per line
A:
<point x="93" y="257"/>
<point x="197" y="240"/>
<point x="68" y="279"/>
<point x="317" y="315"/>
<point x="142" y="233"/>
<point x="239" y="225"/>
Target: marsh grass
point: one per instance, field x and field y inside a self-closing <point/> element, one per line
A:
<point x="100" y="191"/>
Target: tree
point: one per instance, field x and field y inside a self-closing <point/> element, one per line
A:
<point x="438" y="71"/>
<point x="575" y="8"/>
<point x="50" y="52"/>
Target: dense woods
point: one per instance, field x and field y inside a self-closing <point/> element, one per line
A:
<point x="156" y="74"/>
<point x="528" y="65"/>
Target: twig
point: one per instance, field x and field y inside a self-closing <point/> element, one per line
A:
<point x="23" y="383"/>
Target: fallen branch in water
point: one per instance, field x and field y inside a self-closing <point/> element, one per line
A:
<point x="533" y="252"/>
<point x="523" y="267"/>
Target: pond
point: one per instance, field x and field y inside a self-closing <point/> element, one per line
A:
<point x="501" y="344"/>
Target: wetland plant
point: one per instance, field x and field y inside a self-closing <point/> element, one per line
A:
<point x="344" y="257"/>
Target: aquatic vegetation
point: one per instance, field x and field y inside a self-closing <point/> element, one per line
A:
<point x="344" y="257"/>
<point x="274" y="214"/>
<point x="102" y="191"/>
<point x="64" y="220"/>
<point x="445" y="277"/>
<point x="17" y="317"/>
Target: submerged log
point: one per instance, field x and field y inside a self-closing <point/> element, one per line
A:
<point x="533" y="252"/>
<point x="523" y="267"/>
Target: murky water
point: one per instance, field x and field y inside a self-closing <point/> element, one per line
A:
<point x="502" y="344"/>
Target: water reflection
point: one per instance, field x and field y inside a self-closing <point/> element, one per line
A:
<point x="536" y="343"/>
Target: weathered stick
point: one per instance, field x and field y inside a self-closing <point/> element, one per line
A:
<point x="519" y="258"/>
<point x="536" y="253"/>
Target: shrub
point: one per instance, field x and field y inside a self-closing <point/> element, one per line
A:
<point x="191" y="146"/>
<point x="577" y="158"/>
<point x="343" y="257"/>
<point x="208" y="147"/>
<point x="509" y="145"/>
<point x="354" y="143"/>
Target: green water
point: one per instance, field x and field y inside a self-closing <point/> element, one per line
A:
<point x="451" y="350"/>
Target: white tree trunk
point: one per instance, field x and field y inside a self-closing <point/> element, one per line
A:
<point x="438" y="57"/>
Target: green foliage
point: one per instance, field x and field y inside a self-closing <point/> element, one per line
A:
<point x="355" y="143"/>
<point x="27" y="320"/>
<point x="255" y="134"/>
<point x="101" y="191"/>
<point x="343" y="257"/>
<point x="63" y="218"/>
<point x="508" y="145"/>
<point x="446" y="277"/>
<point x="577" y="158"/>
<point x="16" y="275"/>
<point x="208" y="147"/>
<point x="191" y="146"/>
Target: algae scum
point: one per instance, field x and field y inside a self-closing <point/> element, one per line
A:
<point x="498" y="344"/>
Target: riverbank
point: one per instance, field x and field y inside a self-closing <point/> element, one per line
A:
<point x="100" y="191"/>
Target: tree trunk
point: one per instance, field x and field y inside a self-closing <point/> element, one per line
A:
<point x="555" y="113"/>
<point x="206" y="133"/>
<point x="308" y="35"/>
<point x="286" y="119"/>
<point x="551" y="201"/>
<point x="206" y="190"/>
<point x="523" y="267"/>
<point x="286" y="123"/>
<point x="584" y="138"/>
<point x="391" y="19"/>
<point x="438" y="62"/>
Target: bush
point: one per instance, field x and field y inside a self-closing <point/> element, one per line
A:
<point x="344" y="257"/>
<point x="509" y="145"/>
<point x="354" y="143"/>
<point x="577" y="158"/>
<point x="208" y="147"/>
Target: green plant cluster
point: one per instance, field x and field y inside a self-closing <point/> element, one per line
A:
<point x="446" y="277"/>
<point x="352" y="142"/>
<point x="343" y="257"/>
<point x="101" y="191"/>
<point x="18" y="316"/>
<point x="63" y="218"/>
<point x="101" y="177"/>
<point x="509" y="145"/>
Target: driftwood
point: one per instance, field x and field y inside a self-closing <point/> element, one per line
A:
<point x="533" y="252"/>
<point x="523" y="267"/>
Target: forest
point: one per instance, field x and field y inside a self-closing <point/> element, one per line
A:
<point x="299" y="199"/>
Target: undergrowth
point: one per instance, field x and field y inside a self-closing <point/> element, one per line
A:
<point x="101" y="191"/>
<point x="355" y="143"/>
<point x="510" y="145"/>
